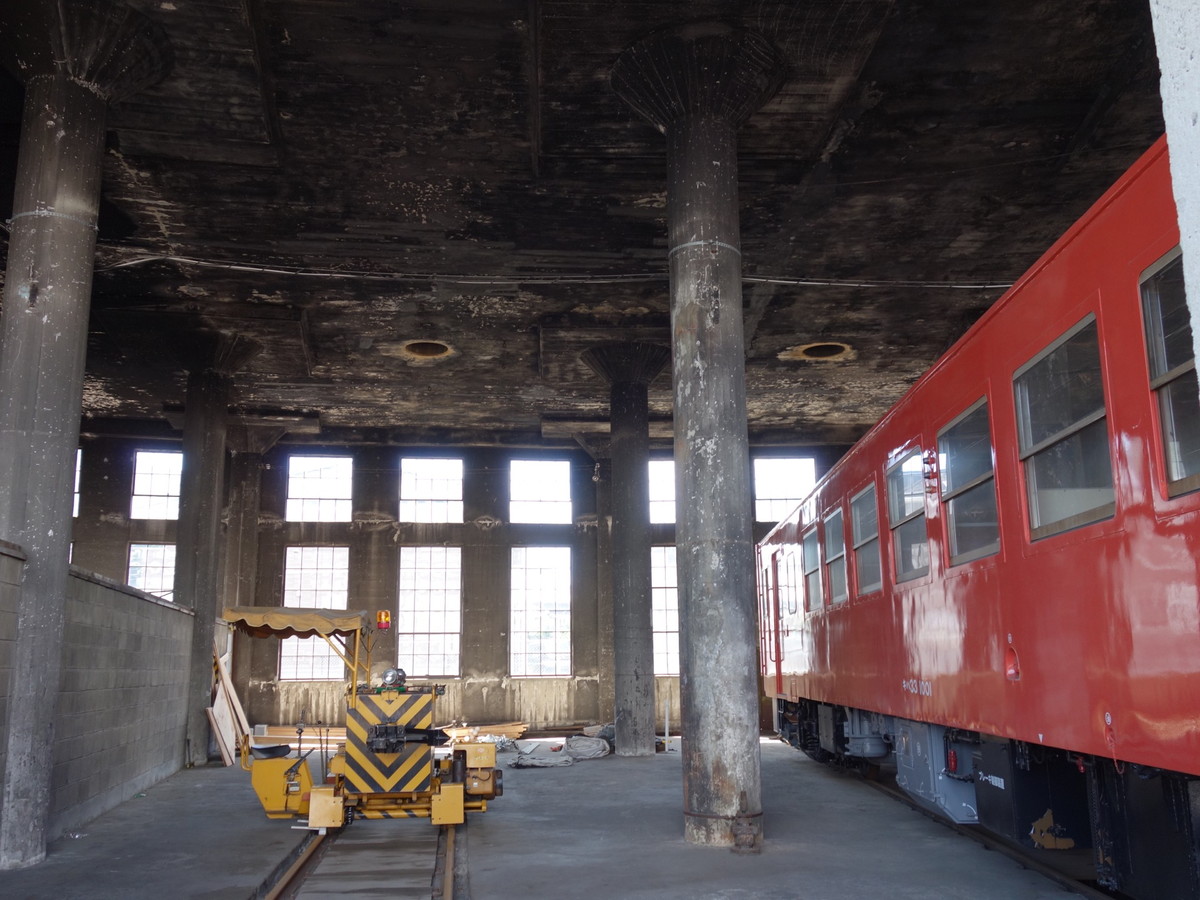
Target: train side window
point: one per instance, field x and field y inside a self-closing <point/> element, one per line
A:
<point x="1173" y="370"/>
<point x="906" y="516"/>
<point x="810" y="564"/>
<point x="864" y="528"/>
<point x="969" y="486"/>
<point x="835" y="557"/>
<point x="793" y="584"/>
<point x="1063" y="435"/>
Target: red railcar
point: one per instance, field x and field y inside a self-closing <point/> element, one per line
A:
<point x="998" y="587"/>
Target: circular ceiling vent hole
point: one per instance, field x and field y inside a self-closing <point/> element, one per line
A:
<point x="823" y="351"/>
<point x="427" y="349"/>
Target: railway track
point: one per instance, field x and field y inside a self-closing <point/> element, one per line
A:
<point x="377" y="859"/>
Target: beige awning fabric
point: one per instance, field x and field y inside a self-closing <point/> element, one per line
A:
<point x="285" y="621"/>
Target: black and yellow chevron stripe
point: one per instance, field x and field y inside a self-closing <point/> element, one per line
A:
<point x="388" y="773"/>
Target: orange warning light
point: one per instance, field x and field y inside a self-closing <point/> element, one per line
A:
<point x="383" y="620"/>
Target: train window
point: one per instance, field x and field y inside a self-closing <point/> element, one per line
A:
<point x="968" y="485"/>
<point x="864" y="522"/>
<point x="1173" y="370"/>
<point x="835" y="557"/>
<point x="810" y="563"/>
<point x="906" y="516"/>
<point x="1063" y="434"/>
<point x="791" y="581"/>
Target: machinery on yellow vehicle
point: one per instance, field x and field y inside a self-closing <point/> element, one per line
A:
<point x="391" y="765"/>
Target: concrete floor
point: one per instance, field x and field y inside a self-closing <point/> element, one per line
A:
<point x="608" y="828"/>
<point x="613" y="828"/>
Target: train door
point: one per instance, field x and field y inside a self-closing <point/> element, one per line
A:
<point x="768" y="617"/>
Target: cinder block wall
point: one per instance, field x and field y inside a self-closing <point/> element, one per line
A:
<point x="120" y="722"/>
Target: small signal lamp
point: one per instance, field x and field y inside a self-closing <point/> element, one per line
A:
<point x="383" y="620"/>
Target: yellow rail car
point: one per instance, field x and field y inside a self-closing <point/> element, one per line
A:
<point x="388" y="768"/>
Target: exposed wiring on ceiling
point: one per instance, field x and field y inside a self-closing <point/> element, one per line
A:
<point x="550" y="278"/>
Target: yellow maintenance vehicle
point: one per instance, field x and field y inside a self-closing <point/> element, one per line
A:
<point x="388" y="767"/>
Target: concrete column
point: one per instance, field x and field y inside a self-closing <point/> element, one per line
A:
<point x="629" y="369"/>
<point x="197" y="547"/>
<point x="210" y="359"/>
<point x="75" y="59"/>
<point x="697" y="84"/>
<point x="1177" y="36"/>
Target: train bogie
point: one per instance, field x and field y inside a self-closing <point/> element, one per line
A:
<point x="997" y="590"/>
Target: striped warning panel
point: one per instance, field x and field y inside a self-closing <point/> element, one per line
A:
<point x="368" y="772"/>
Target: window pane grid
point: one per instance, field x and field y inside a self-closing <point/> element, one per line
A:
<point x="540" y="491"/>
<point x="780" y="484"/>
<point x="810" y="563"/>
<point x="152" y="569"/>
<point x="313" y="578"/>
<point x="664" y="602"/>
<point x="319" y="488"/>
<point x="429" y="623"/>
<point x="431" y="490"/>
<point x="156" y="477"/>
<point x="662" y="491"/>
<point x="540" y="632"/>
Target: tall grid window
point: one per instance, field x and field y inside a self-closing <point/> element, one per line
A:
<point x="429" y="625"/>
<point x="1173" y="370"/>
<point x="431" y="490"/>
<point x="835" y="557"/>
<point x="864" y="528"/>
<point x="664" y="604"/>
<point x="780" y="484"/>
<point x="906" y="516"/>
<point x="315" y="578"/>
<point x="662" y="491"/>
<point x="156" y="476"/>
<point x="540" y="491"/>
<point x="540" y="632"/>
<point x="152" y="569"/>
<point x="319" y="488"/>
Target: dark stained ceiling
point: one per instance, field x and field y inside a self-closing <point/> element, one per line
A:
<point x="336" y="179"/>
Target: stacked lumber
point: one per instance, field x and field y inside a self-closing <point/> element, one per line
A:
<point x="226" y="716"/>
<point x="511" y="730"/>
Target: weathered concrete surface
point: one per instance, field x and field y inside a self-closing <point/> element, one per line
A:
<point x="1177" y="35"/>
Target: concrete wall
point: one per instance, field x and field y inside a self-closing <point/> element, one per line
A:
<point x="120" y="721"/>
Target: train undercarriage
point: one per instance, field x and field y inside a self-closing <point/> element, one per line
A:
<point x="1141" y="824"/>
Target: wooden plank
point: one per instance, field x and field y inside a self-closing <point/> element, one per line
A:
<point x="239" y="714"/>
<point x="220" y="717"/>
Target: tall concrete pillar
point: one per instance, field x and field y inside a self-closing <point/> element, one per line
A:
<point x="629" y="369"/>
<point x="1177" y="37"/>
<point x="697" y="84"/>
<point x="210" y="359"/>
<point x="75" y="59"/>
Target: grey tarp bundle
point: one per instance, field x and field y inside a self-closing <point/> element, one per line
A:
<point x="574" y="747"/>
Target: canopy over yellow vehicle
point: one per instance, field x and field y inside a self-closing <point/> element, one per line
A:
<point x="387" y="767"/>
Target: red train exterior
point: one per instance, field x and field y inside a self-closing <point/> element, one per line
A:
<point x="1052" y="627"/>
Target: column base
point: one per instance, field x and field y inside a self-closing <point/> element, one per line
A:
<point x="742" y="834"/>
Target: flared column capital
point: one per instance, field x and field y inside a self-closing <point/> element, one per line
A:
<point x="105" y="45"/>
<point x="626" y="362"/>
<point x="707" y="69"/>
